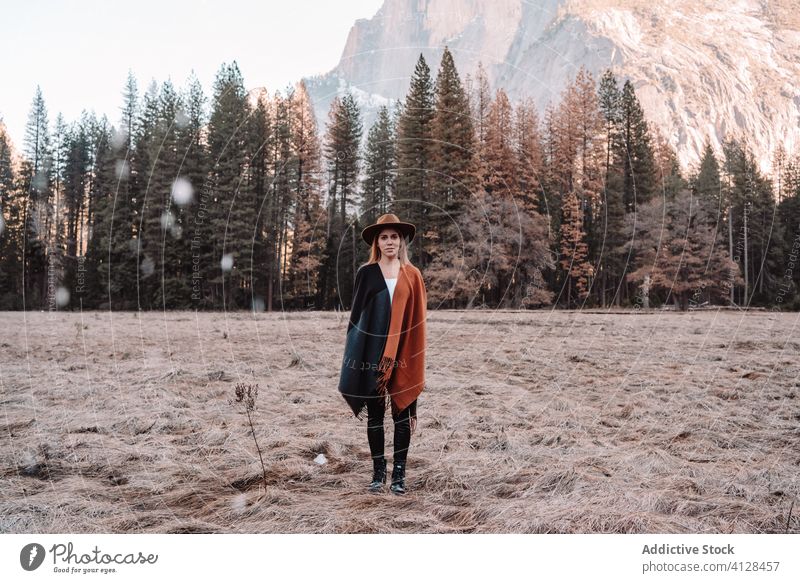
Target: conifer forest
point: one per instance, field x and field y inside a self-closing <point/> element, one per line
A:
<point x="242" y="200"/>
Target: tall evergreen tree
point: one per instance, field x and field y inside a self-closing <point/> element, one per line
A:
<point x="284" y="191"/>
<point x="707" y="185"/>
<point x="167" y="193"/>
<point x="589" y="168"/>
<point x="308" y="235"/>
<point x="10" y="229"/>
<point x="36" y="182"/>
<point x="415" y="151"/>
<point x="232" y="209"/>
<point x="575" y="175"/>
<point x="379" y="168"/>
<point x="454" y="173"/>
<point x="669" y="178"/>
<point x="76" y="180"/>
<point x="637" y="152"/>
<point x="147" y="198"/>
<point x="343" y="160"/>
<point x="610" y="103"/>
<point x="501" y="159"/>
<point x="612" y="213"/>
<point x="574" y="252"/>
<point x="480" y="99"/>
<point x="117" y="248"/>
<point x="195" y="169"/>
<point x="787" y="295"/>
<point x="130" y="111"/>
<point x="261" y="154"/>
<point x="57" y="230"/>
<point x="117" y="274"/>
<point x="92" y="279"/>
<point x="530" y="158"/>
<point x="754" y="232"/>
<point x="453" y="161"/>
<point x="34" y="284"/>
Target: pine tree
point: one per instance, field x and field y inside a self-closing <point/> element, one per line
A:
<point x="10" y="229"/>
<point x="480" y="99"/>
<point x="501" y="159"/>
<point x="589" y="172"/>
<point x="780" y="163"/>
<point x="343" y="154"/>
<point x="610" y="103"/>
<point x="551" y="187"/>
<point x="91" y="283"/>
<point x="33" y="285"/>
<point x="529" y="151"/>
<point x="787" y="295"/>
<point x="612" y="213"/>
<point x="378" y="184"/>
<point x="195" y="167"/>
<point x="167" y="190"/>
<point x="261" y="154"/>
<point x="578" y="272"/>
<point x="564" y="142"/>
<point x="637" y="152"/>
<point x="455" y="178"/>
<point x="76" y="180"/>
<point x="765" y="238"/>
<point x="452" y="163"/>
<point x="115" y="258"/>
<point x="741" y="193"/>
<point x="285" y="186"/>
<point x="708" y="186"/>
<point x="36" y="181"/>
<point x="754" y="237"/>
<point x="343" y="159"/>
<point x="308" y="222"/>
<point x="130" y="110"/>
<point x="58" y="230"/>
<point x="117" y="273"/>
<point x="414" y="154"/>
<point x="148" y="200"/>
<point x="232" y="209"/>
<point x="575" y="175"/>
<point x="669" y="179"/>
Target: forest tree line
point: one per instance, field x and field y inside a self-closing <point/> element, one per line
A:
<point x="240" y="201"/>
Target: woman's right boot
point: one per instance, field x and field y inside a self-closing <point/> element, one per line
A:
<point x="398" y="478"/>
<point x="378" y="474"/>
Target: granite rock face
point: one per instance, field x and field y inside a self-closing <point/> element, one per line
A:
<point x="703" y="69"/>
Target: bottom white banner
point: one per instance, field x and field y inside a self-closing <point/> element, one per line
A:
<point x="471" y="557"/>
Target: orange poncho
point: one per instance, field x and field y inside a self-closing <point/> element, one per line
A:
<point x="402" y="366"/>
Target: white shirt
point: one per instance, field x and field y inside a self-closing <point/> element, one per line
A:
<point x="390" y="283"/>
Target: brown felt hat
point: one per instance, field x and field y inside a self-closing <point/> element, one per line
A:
<point x="388" y="221"/>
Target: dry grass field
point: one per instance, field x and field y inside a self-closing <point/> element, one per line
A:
<point x="533" y="422"/>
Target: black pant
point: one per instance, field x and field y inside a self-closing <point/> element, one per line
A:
<point x="402" y="429"/>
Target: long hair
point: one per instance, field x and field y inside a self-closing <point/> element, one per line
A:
<point x="402" y="251"/>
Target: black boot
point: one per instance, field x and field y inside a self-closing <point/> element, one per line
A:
<point x="378" y="475"/>
<point x="398" y="478"/>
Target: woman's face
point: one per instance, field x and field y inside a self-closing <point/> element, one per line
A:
<point x="389" y="243"/>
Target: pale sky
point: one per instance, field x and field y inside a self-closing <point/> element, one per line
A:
<point x="79" y="52"/>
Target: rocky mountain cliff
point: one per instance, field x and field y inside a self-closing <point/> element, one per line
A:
<point x="701" y="68"/>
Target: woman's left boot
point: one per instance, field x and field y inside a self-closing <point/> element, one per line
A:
<point x="378" y="475"/>
<point x="398" y="478"/>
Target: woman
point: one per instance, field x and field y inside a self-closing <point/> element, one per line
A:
<point x="384" y="357"/>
